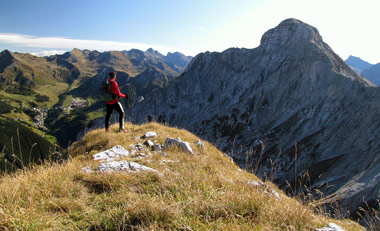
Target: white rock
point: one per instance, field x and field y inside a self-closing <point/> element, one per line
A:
<point x="139" y="99"/>
<point x="118" y="166"/>
<point x="186" y="147"/>
<point x="149" y="143"/>
<point x="157" y="147"/>
<point x="136" y="147"/>
<point x="199" y="144"/>
<point x="274" y="193"/>
<point x="111" y="154"/>
<point x="168" y="161"/>
<point x="255" y="183"/>
<point x="183" y="145"/>
<point x="330" y="227"/>
<point x="267" y="190"/>
<point x="226" y="155"/>
<point x="150" y="135"/>
<point x="86" y="170"/>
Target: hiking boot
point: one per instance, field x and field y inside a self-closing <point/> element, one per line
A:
<point x="107" y="129"/>
<point x="122" y="130"/>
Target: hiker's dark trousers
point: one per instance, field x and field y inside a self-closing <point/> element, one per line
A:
<point x="119" y="109"/>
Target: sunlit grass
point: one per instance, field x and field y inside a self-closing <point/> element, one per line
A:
<point x="204" y="191"/>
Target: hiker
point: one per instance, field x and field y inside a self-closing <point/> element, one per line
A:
<point x="114" y="103"/>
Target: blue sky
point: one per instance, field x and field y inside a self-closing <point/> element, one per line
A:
<point x="189" y="26"/>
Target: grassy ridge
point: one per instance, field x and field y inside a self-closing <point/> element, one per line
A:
<point x="201" y="192"/>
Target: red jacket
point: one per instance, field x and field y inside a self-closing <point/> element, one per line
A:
<point x="114" y="90"/>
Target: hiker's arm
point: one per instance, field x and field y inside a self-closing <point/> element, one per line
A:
<point x="116" y="90"/>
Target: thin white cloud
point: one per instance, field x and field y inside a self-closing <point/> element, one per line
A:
<point x="48" y="53"/>
<point x="68" y="43"/>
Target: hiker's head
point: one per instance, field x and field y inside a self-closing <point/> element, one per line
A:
<point x="112" y="75"/>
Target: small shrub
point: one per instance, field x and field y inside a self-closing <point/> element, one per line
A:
<point x="42" y="98"/>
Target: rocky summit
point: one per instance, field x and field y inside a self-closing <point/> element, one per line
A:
<point x="290" y="110"/>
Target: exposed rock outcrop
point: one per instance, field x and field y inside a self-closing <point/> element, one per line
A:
<point x="112" y="154"/>
<point x="110" y="158"/>
<point x="292" y="96"/>
<point x="118" y="166"/>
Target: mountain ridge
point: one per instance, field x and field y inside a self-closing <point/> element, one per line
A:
<point x="358" y="64"/>
<point x="290" y="93"/>
<point x="373" y="74"/>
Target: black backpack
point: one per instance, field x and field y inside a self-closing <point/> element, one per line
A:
<point x="104" y="91"/>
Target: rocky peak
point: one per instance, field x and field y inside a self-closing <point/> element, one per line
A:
<point x="5" y="53"/>
<point x="178" y="59"/>
<point x="290" y="32"/>
<point x="6" y="58"/>
<point x="296" y="40"/>
<point x="154" y="52"/>
<point x="292" y="89"/>
<point x="76" y="53"/>
<point x="72" y="56"/>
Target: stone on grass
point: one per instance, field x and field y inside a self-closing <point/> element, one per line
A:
<point x="182" y="145"/>
<point x="157" y="147"/>
<point x="255" y="183"/>
<point x="119" y="166"/>
<point x="168" y="161"/>
<point x="199" y="144"/>
<point x="330" y="227"/>
<point x="266" y="189"/>
<point x="230" y="158"/>
<point x="111" y="154"/>
<point x="149" y="135"/>
<point x="149" y="143"/>
<point x="86" y="170"/>
<point x="136" y="147"/>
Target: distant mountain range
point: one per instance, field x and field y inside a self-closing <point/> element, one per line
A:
<point x="57" y="96"/>
<point x="44" y="78"/>
<point x="369" y="71"/>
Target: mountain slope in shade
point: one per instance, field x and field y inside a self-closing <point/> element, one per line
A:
<point x="373" y="74"/>
<point x="295" y="96"/>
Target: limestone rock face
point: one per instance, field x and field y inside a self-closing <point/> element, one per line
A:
<point x="292" y="96"/>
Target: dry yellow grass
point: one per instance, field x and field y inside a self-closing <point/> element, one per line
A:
<point x="201" y="192"/>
